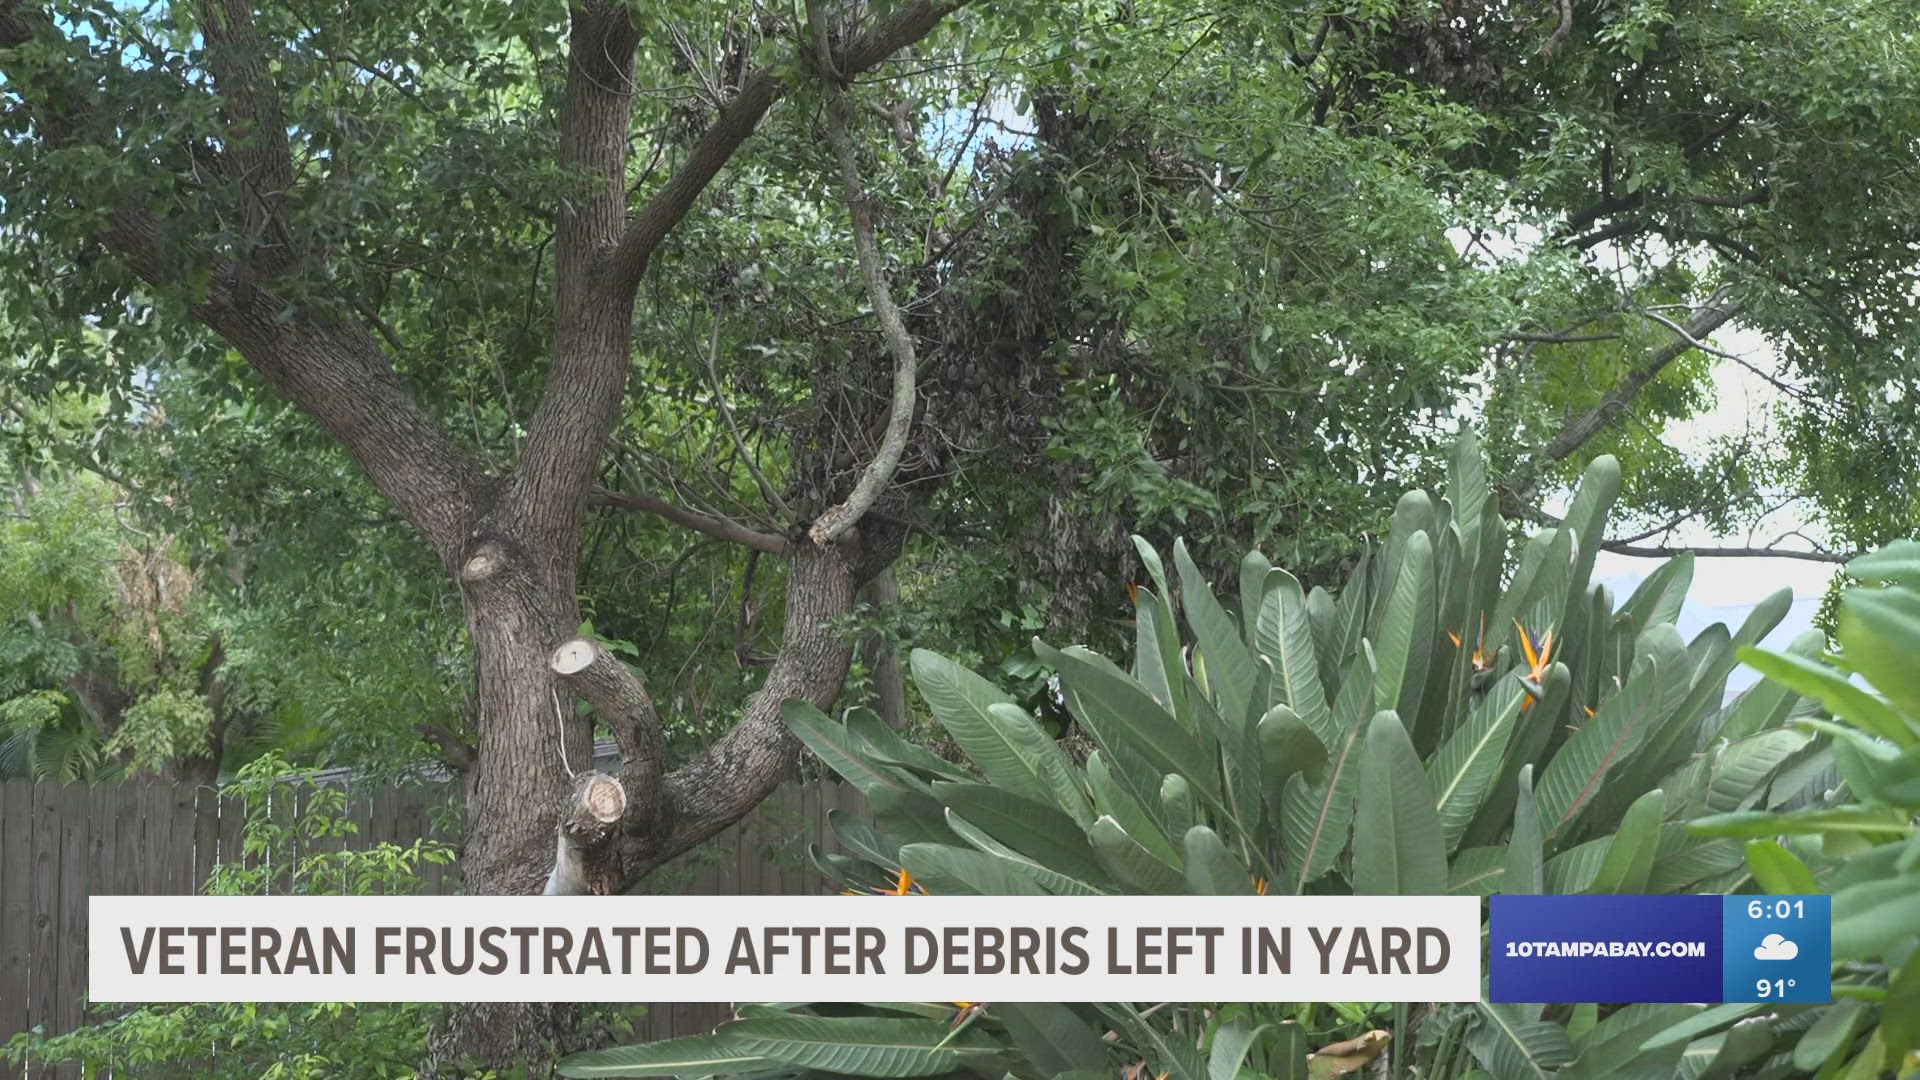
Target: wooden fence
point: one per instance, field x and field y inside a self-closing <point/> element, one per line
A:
<point x="61" y="843"/>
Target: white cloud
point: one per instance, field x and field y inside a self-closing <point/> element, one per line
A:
<point x="1775" y="947"/>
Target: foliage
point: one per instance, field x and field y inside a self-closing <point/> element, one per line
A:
<point x="285" y="854"/>
<point x="1228" y="760"/>
<point x="1862" y="842"/>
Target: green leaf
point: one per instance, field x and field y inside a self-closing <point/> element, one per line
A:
<point x="1124" y="717"/>
<point x="1830" y="1035"/>
<point x="1525" y="873"/>
<point x="859" y="1045"/>
<point x="1841" y="819"/>
<point x="1231" y="1042"/>
<point x="1315" y="817"/>
<point x="1229" y="665"/>
<point x="1464" y="768"/>
<point x="831" y="744"/>
<point x="885" y="743"/>
<point x="1898" y="563"/>
<point x="1398" y="848"/>
<point x="1406" y="630"/>
<point x="1830" y="688"/>
<point x="1630" y="851"/>
<point x="1211" y="871"/>
<point x="1778" y="871"/>
<point x="1283" y="633"/>
<point x="1048" y="879"/>
<point x="952" y="871"/>
<point x="960" y="700"/>
<point x="1870" y="918"/>
<point x="1052" y="1036"/>
<point x="1133" y="864"/>
<point x="692" y="1055"/>
<point x="1574" y="776"/>
<point x="1615" y="1046"/>
<point x="1038" y="833"/>
<point x="1512" y="1043"/>
<point x="1477" y="871"/>
<point x="1900" y="1012"/>
<point x="1288" y="746"/>
<point x="1879" y="634"/>
<point x="1702" y="1022"/>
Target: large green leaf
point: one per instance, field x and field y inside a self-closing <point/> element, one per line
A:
<point x="859" y="1045"/>
<point x="1871" y="917"/>
<point x="1288" y="746"/>
<point x="1477" y="871"/>
<point x="1052" y="1036"/>
<point x="960" y="700"/>
<point x="1525" y="852"/>
<point x="1229" y="666"/>
<point x="1630" y="851"/>
<point x="1398" y="849"/>
<point x="1047" y="878"/>
<point x="1406" y="630"/>
<point x="1766" y="704"/>
<point x="692" y="1055"/>
<point x="1283" y="633"/>
<point x="1842" y="698"/>
<point x="944" y="871"/>
<point x="884" y="743"/>
<point x="1778" y="870"/>
<point x="1513" y="1043"/>
<point x="1039" y="833"/>
<point x="1573" y="778"/>
<point x="1659" y="597"/>
<point x="1879" y="634"/>
<point x="1211" y="870"/>
<point x="1315" y="817"/>
<point x="1615" y="1047"/>
<point x="1112" y="798"/>
<point x="1465" y="766"/>
<point x="1126" y="719"/>
<point x="831" y="744"/>
<point x="1132" y="863"/>
<point x="1467" y="487"/>
<point x="1168" y="634"/>
<point x="1586" y="518"/>
<point x="1898" y="563"/>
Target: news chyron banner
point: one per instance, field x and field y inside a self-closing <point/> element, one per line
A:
<point x="786" y="948"/>
<point x="1660" y="948"/>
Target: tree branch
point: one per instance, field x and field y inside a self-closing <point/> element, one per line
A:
<point x="719" y="528"/>
<point x="255" y="155"/>
<point x="1715" y="312"/>
<point x="835" y="522"/>
<point x="1668" y="552"/>
<point x="902" y="27"/>
<point x="327" y="365"/>
<point x="622" y="701"/>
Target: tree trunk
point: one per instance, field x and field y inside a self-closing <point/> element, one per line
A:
<point x="889" y="698"/>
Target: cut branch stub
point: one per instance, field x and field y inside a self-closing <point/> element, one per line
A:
<point x="581" y="865"/>
<point x="622" y="701"/>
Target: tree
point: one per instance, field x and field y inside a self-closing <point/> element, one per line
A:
<point x="222" y="213"/>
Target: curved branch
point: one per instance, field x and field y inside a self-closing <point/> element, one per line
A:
<point x="835" y="522"/>
<point x="717" y="527"/>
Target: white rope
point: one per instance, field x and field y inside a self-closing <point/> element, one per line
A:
<point x="560" y="733"/>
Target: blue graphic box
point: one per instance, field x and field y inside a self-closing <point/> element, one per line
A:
<point x="1659" y="948"/>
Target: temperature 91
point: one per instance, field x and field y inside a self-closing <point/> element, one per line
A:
<point x="1773" y="988"/>
<point x="1779" y="909"/>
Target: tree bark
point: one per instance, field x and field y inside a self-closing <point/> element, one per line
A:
<point x="889" y="698"/>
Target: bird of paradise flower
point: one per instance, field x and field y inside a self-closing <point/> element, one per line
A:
<point x="904" y="885"/>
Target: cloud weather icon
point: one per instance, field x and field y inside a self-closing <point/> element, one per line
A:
<point x="1775" y="947"/>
